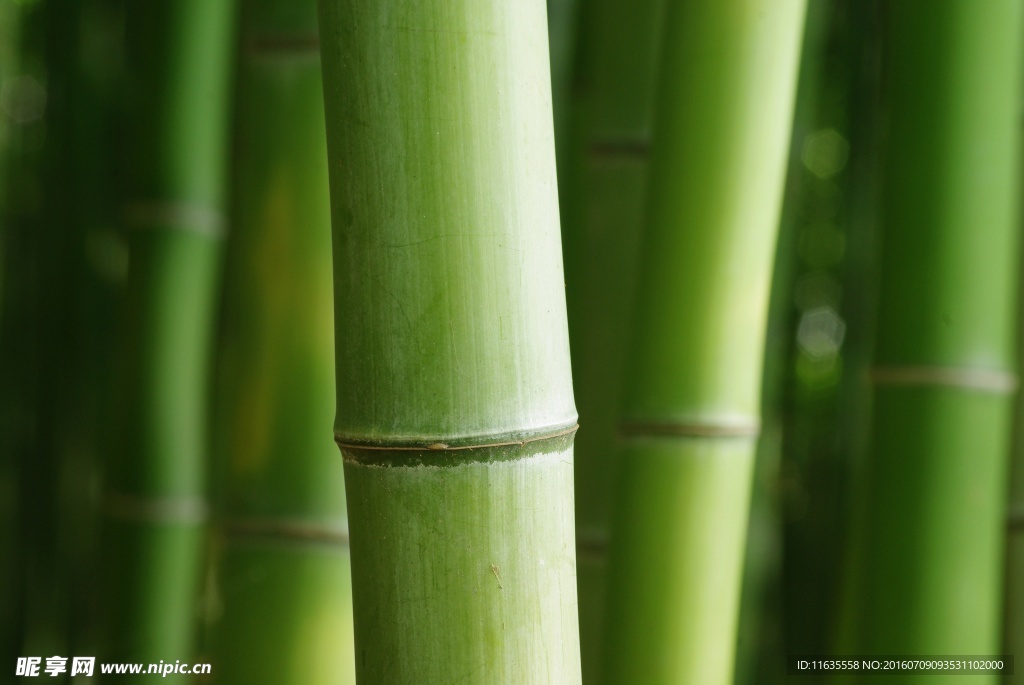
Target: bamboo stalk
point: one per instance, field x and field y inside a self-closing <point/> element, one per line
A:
<point x="602" y="212"/>
<point x="455" y="412"/>
<point x="54" y="291"/>
<point x="944" y="355"/>
<point x="178" y="58"/>
<point x="721" y="133"/>
<point x="283" y="576"/>
<point x="15" y="307"/>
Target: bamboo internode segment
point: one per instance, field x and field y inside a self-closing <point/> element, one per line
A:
<point x="449" y="289"/>
<point x="465" y="568"/>
<point x="985" y="380"/>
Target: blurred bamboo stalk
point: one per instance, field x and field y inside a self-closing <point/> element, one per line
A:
<point x="722" y="126"/>
<point x="944" y="356"/>
<point x="12" y="304"/>
<point x="283" y="567"/>
<point x="455" y="410"/>
<point x="603" y="182"/>
<point x="177" y="87"/>
<point x="46" y="237"/>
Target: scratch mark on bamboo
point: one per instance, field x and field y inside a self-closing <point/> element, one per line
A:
<point x="497" y="575"/>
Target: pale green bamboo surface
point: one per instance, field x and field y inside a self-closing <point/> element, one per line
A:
<point x="722" y="125"/>
<point x="943" y="375"/>
<point x="455" y="410"/>
<point x="283" y="578"/>
<point x="602" y="209"/>
<point x="178" y="58"/>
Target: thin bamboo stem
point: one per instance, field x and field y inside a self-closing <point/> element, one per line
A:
<point x="178" y="60"/>
<point x="602" y="209"/>
<point x="455" y="410"/>
<point x="722" y="126"/>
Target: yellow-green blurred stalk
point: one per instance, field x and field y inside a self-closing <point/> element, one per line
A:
<point x="282" y="573"/>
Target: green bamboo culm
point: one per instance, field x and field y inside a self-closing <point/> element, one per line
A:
<point x="691" y="409"/>
<point x="10" y="591"/>
<point x="455" y="408"/>
<point x="283" y="569"/>
<point x="606" y="174"/>
<point x="943" y="378"/>
<point x="178" y="57"/>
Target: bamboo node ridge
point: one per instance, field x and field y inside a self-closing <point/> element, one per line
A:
<point x="592" y="543"/>
<point x="985" y="380"/>
<point x="154" y="509"/>
<point x="178" y="216"/>
<point x="435" y="446"/>
<point x="690" y="429"/>
<point x="291" y="531"/>
<point x="306" y="43"/>
<point x="1015" y="517"/>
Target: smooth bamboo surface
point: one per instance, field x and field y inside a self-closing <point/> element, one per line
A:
<point x="178" y="59"/>
<point x="944" y="355"/>
<point x="283" y="575"/>
<point x="455" y="408"/>
<point x="603" y="208"/>
<point x="726" y="90"/>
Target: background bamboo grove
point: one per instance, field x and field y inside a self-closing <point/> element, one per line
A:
<point x="576" y="342"/>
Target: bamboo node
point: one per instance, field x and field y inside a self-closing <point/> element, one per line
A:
<point x="154" y="509"/>
<point x="984" y="380"/>
<point x="592" y="543"/>
<point x="414" y="446"/>
<point x="630" y="148"/>
<point x="690" y="429"/>
<point x="291" y="531"/>
<point x="296" y="43"/>
<point x="179" y="216"/>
